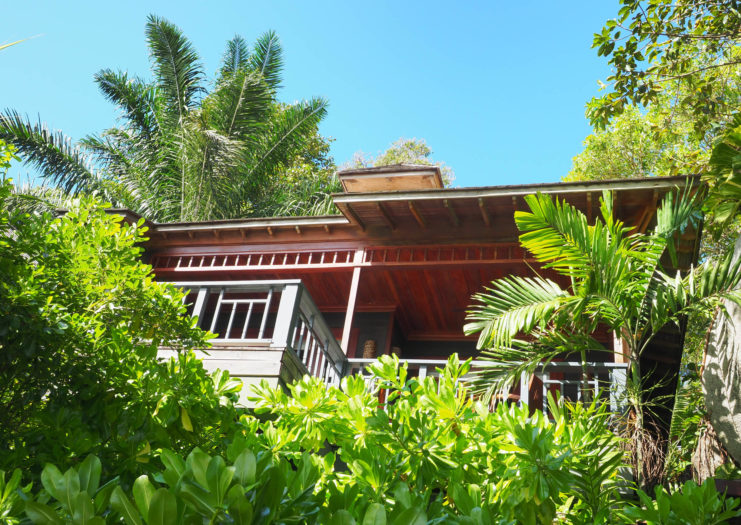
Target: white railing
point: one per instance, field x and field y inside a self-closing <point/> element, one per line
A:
<point x="607" y="379"/>
<point x="273" y="314"/>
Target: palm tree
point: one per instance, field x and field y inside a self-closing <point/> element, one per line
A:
<point x="181" y="153"/>
<point x="616" y="279"/>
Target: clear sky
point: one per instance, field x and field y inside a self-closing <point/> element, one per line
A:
<point x="496" y="88"/>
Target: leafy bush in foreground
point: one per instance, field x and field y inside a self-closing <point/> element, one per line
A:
<point x="427" y="454"/>
<point x="81" y="319"/>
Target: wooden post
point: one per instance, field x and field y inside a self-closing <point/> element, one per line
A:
<point x="198" y="306"/>
<point x="351" y="300"/>
<point x="289" y="302"/>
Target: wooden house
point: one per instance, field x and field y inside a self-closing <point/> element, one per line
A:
<point x="394" y="272"/>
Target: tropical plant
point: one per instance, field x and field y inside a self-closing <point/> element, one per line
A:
<point x="182" y="153"/>
<point x="614" y="278"/>
<point x="690" y="505"/>
<point x="81" y="321"/>
<point x="427" y="454"/>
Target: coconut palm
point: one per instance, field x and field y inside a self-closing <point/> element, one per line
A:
<point x="181" y="153"/>
<point x="616" y="279"/>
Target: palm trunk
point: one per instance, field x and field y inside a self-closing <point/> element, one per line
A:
<point x="639" y="424"/>
<point x="586" y="395"/>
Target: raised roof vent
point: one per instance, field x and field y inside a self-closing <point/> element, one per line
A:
<point x="399" y="177"/>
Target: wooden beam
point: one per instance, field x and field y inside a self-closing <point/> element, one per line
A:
<point x="298" y="229"/>
<point x="514" y="203"/>
<point x="190" y="234"/>
<point x="326" y="228"/>
<point x="385" y="214"/>
<point x="484" y="213"/>
<point x="243" y="233"/>
<point x="351" y="300"/>
<point x="355" y="217"/>
<point x="270" y="231"/>
<point x="453" y="216"/>
<point x="417" y="215"/>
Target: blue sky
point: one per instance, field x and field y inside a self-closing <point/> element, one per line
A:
<point x="496" y="88"/>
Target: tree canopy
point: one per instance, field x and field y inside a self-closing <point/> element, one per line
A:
<point x="184" y="153"/>
<point x="650" y="44"/>
<point x="404" y="151"/>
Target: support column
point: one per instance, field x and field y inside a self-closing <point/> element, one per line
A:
<point x="358" y="259"/>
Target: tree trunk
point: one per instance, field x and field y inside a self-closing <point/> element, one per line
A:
<point x="709" y="454"/>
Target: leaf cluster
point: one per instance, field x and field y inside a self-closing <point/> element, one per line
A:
<point x="81" y="320"/>
<point x="182" y="152"/>
<point x="652" y="43"/>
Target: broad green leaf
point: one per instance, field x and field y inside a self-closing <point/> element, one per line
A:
<point x="143" y="492"/>
<point x="245" y="467"/>
<point x="342" y="517"/>
<point x="83" y="510"/>
<point x="121" y="504"/>
<point x="70" y="489"/>
<point x="412" y="516"/>
<point x="89" y="472"/>
<point x="163" y="508"/>
<point x="42" y="514"/>
<point x="52" y="480"/>
<point x="241" y="511"/>
<point x="375" y="515"/>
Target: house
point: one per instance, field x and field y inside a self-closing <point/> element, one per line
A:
<point x="393" y="273"/>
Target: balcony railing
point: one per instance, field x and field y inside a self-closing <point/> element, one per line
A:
<point x="606" y="379"/>
<point x="272" y="314"/>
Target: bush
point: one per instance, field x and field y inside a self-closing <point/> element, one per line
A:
<point x="427" y="454"/>
<point x="80" y="323"/>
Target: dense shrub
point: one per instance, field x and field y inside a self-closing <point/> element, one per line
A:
<point x="80" y="323"/>
<point x="427" y="454"/>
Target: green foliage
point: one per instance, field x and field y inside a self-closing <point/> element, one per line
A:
<point x="617" y="280"/>
<point x="692" y="505"/>
<point x="182" y="153"/>
<point x="81" y="320"/>
<point x="725" y="175"/>
<point x="404" y="151"/>
<point x="427" y="454"/>
<point x="651" y="44"/>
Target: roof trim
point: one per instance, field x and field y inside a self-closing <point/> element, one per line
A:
<point x="232" y="224"/>
<point x="518" y="190"/>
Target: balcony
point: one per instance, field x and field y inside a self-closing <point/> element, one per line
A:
<point x="268" y="330"/>
<point x="272" y="330"/>
<point x="607" y="380"/>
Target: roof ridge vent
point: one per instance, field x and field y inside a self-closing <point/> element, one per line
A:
<point x="397" y="177"/>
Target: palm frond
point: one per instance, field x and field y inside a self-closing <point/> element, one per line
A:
<point x="51" y="152"/>
<point x="239" y="106"/>
<point x="560" y="237"/>
<point x="513" y="304"/>
<point x="236" y="57"/>
<point x="503" y="366"/>
<point x="212" y="158"/>
<point x="176" y="65"/>
<point x="267" y="58"/>
<point x="137" y="100"/>
<point x="288" y="131"/>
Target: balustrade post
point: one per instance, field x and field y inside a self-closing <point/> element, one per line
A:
<point x="618" y="378"/>
<point x="199" y="304"/>
<point x="284" y="320"/>
<point x="525" y="389"/>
